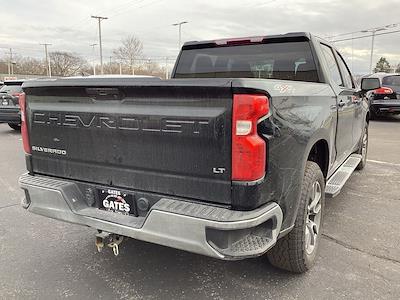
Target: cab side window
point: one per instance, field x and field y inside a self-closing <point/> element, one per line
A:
<point x="347" y="78"/>
<point x="332" y="65"/>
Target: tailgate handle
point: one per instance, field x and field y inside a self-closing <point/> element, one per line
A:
<point x="105" y="93"/>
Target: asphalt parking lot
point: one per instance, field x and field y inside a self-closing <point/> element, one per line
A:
<point x="359" y="259"/>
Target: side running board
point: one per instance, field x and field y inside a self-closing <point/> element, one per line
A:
<point x="336" y="182"/>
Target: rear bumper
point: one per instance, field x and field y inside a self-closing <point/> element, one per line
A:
<point x="198" y="228"/>
<point x="385" y="106"/>
<point x="10" y="115"/>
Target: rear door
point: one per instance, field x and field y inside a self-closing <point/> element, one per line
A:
<point x="171" y="137"/>
<point x="359" y="118"/>
<point x="345" y="106"/>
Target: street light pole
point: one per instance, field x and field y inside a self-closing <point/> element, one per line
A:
<point x="373" y="31"/>
<point x="94" y="63"/>
<point x="99" y="19"/>
<point x="166" y="68"/>
<point x="372" y="51"/>
<point x="10" y="67"/>
<point x="47" y="59"/>
<point x="180" y="32"/>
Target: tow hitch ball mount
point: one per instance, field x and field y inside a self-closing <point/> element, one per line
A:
<point x="108" y="239"/>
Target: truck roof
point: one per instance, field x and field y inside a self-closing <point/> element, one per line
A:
<point x="193" y="44"/>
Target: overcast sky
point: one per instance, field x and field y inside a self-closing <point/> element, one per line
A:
<point x="67" y="25"/>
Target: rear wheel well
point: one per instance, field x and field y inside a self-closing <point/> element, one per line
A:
<point x="319" y="154"/>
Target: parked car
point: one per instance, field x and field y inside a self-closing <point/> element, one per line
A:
<point x="231" y="158"/>
<point x="9" y="107"/>
<point x="385" y="100"/>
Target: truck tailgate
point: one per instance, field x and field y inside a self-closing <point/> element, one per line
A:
<point x="169" y="137"/>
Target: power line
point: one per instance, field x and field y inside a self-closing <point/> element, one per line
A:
<point x="138" y="7"/>
<point x="121" y="8"/>
<point x="125" y="7"/>
<point x="374" y="33"/>
<point x="85" y="19"/>
<point x="370" y="29"/>
<point x="364" y="36"/>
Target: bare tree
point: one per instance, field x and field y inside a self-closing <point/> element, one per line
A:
<point x="130" y="50"/>
<point x="23" y="65"/>
<point x="29" y="66"/>
<point x="66" y="63"/>
<point x="152" y="68"/>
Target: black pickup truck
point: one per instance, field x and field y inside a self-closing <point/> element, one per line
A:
<point x="231" y="158"/>
<point x="9" y="106"/>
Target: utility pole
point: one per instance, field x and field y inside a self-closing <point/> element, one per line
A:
<point x="48" y="66"/>
<point x="94" y="62"/>
<point x="99" y="19"/>
<point x="180" y="32"/>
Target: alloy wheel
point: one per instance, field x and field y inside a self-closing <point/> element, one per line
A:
<point x="313" y="221"/>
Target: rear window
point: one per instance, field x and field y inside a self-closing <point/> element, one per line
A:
<point x="391" y="80"/>
<point x="286" y="61"/>
<point x="10" y="89"/>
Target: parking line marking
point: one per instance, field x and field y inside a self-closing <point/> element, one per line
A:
<point x="383" y="162"/>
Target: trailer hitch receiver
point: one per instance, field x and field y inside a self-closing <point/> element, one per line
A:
<point x="110" y="240"/>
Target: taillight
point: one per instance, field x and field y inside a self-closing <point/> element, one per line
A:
<point x="24" y="126"/>
<point x="384" y="91"/>
<point x="248" y="148"/>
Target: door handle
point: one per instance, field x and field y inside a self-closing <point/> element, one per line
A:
<point x="355" y="100"/>
<point x="341" y="103"/>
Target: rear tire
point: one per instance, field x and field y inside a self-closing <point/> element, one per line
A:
<point x="297" y="251"/>
<point x="16" y="127"/>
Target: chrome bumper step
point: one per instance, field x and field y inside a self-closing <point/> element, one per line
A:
<point x="336" y="182"/>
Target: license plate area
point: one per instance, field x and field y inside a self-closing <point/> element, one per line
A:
<point x="116" y="201"/>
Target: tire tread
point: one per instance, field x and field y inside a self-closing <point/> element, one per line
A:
<point x="289" y="252"/>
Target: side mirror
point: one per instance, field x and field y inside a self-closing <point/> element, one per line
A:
<point x="369" y="84"/>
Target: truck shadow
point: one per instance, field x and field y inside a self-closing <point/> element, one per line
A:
<point x="173" y="273"/>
